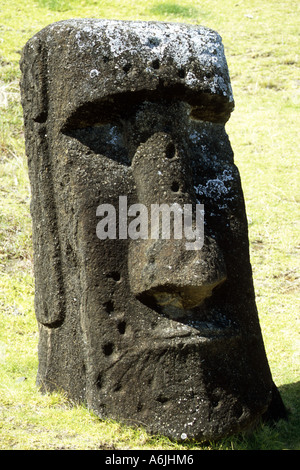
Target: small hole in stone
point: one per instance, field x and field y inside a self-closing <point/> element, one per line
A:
<point x="122" y="327"/>
<point x="155" y="64"/>
<point x="170" y="150"/>
<point x="175" y="186"/>
<point x="109" y="306"/>
<point x="139" y="407"/>
<point x="99" y="381"/>
<point x="153" y="42"/>
<point x="162" y="398"/>
<point x="181" y="73"/>
<point x="127" y="67"/>
<point x="115" y="275"/>
<point x="117" y="387"/>
<point x="108" y="349"/>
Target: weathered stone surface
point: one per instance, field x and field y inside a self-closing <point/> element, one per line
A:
<point x="143" y="331"/>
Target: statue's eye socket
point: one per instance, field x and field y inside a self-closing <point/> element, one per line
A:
<point x="104" y="111"/>
<point x="105" y="139"/>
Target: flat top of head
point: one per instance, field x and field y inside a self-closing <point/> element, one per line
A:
<point x="90" y="60"/>
<point x="147" y="39"/>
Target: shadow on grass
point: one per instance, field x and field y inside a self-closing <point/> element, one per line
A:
<point x="56" y="5"/>
<point x="174" y="9"/>
<point x="289" y="431"/>
<point x="283" y="435"/>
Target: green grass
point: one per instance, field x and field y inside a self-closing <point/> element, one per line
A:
<point x="262" y="47"/>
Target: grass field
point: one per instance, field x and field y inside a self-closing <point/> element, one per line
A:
<point x="262" y="47"/>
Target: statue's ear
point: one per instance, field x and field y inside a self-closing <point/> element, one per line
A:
<point x="49" y="294"/>
<point x="33" y="66"/>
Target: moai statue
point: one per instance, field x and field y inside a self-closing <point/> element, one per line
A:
<point x="122" y="119"/>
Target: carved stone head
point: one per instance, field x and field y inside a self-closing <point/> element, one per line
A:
<point x="122" y="120"/>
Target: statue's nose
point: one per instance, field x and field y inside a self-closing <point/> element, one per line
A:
<point x="162" y="270"/>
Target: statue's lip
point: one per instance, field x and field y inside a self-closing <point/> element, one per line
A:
<point x="195" y="330"/>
